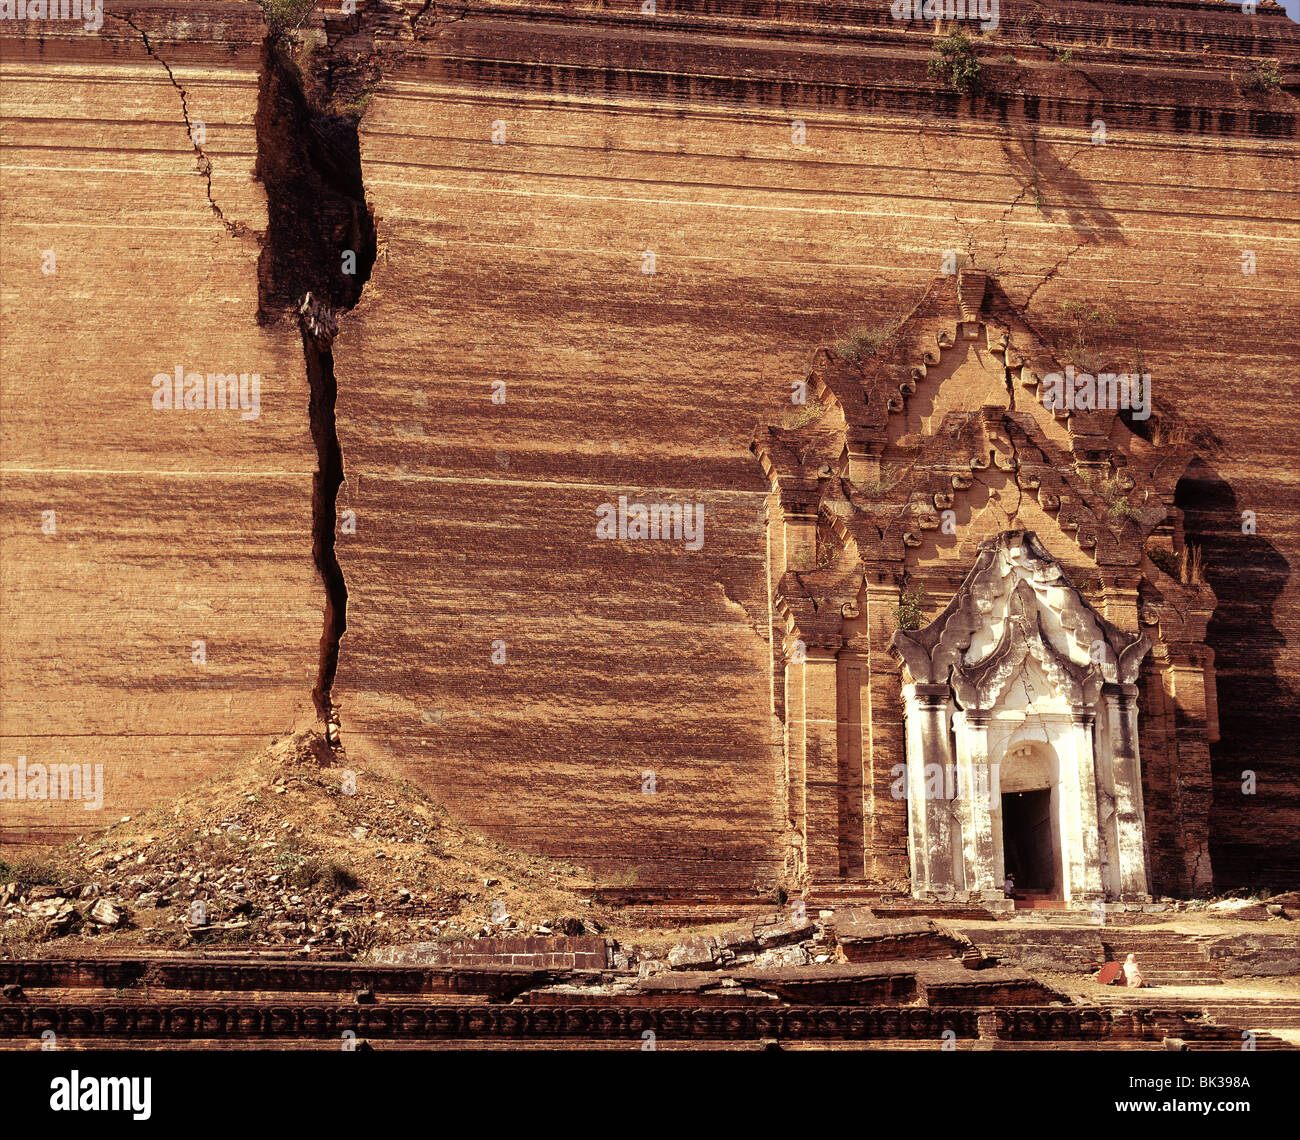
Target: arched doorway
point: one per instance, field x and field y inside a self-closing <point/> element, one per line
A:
<point x="1027" y="820"/>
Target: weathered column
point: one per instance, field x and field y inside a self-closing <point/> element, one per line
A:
<point x="976" y="784"/>
<point x="1192" y="790"/>
<point x="851" y="681"/>
<point x="929" y="809"/>
<point x="1121" y="714"/>
<point x="821" y="758"/>
<point x="795" y="656"/>
<point x="1083" y="882"/>
<point x="887" y="823"/>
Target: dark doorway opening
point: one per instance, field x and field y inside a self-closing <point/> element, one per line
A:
<point x="1027" y="839"/>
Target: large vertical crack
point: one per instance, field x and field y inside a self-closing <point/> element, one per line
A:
<point x="316" y="258"/>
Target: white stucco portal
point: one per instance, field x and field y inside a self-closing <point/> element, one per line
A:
<point x="1019" y="681"/>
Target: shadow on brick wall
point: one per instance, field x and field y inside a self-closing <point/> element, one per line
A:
<point x="1254" y="839"/>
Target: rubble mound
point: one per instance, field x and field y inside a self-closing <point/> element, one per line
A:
<point x="295" y="847"/>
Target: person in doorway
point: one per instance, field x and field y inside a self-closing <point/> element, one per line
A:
<point x="1132" y="975"/>
<point x="1009" y="885"/>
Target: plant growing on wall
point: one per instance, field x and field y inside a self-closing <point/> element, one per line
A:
<point x="1115" y="494"/>
<point x="826" y="544"/>
<point x="284" y="16"/>
<point x="352" y="109"/>
<point x="956" y="62"/>
<point x="1088" y="320"/>
<point x="1166" y="559"/>
<point x="1263" y="77"/>
<point x="799" y="415"/>
<point x="1191" y="569"/>
<point x="910" y="611"/>
<point x="883" y="482"/>
<point x="1185" y="566"/>
<point x="862" y="344"/>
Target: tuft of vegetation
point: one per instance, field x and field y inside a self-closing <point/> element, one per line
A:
<point x="1087" y="320"/>
<point x="31" y="872"/>
<point x="1263" y="77"/>
<point x="21" y="937"/>
<point x="910" y="611"/>
<point x="880" y="485"/>
<point x="775" y="893"/>
<point x="827" y="547"/>
<point x="313" y="872"/>
<point x="627" y="877"/>
<point x="1191" y="568"/>
<point x="1166" y="559"/>
<point x="956" y="63"/>
<point x="353" y="109"/>
<point x="800" y="415"/>
<point x="1064" y="55"/>
<point x="285" y="16"/>
<point x="1118" y="505"/>
<point x="862" y="344"/>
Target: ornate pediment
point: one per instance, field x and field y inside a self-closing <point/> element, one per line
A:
<point x="912" y="454"/>
<point x="1017" y="602"/>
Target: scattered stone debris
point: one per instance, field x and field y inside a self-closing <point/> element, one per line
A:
<point x="299" y="847"/>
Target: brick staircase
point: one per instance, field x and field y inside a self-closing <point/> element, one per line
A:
<point x="1165" y="957"/>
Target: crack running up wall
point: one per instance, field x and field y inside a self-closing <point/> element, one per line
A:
<point x="316" y="258"/>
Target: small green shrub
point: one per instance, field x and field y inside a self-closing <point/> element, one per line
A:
<point x="956" y="63"/>
<point x="910" y="611"/>
<point x="862" y="344"/>
<point x="284" y="16"/>
<point x="1167" y="560"/>
<point x="326" y="873"/>
<point x="31" y="872"/>
<point x="1118" y="505"/>
<point x="1263" y="77"/>
<point x="353" y="109"/>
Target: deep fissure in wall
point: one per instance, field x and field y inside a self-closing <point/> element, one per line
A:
<point x="316" y="259"/>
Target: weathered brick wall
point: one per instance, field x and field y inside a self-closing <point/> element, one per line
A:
<point x="170" y="527"/>
<point x="522" y="263"/>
